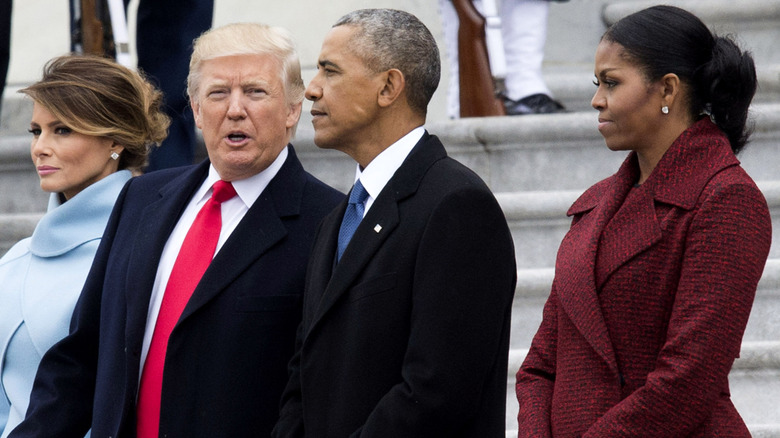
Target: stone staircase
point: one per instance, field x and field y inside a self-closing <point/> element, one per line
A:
<point x="537" y="166"/>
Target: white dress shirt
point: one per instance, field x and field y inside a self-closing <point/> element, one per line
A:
<point x="233" y="210"/>
<point x="379" y="171"/>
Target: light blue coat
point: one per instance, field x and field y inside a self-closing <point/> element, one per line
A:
<point x="40" y="281"/>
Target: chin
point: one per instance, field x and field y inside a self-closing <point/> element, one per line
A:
<point x="323" y="142"/>
<point x="616" y="146"/>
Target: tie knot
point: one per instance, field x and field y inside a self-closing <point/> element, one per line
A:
<point x="358" y="194"/>
<point x="223" y="191"/>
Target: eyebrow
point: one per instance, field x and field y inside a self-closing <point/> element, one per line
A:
<point x="326" y="63"/>
<point x="49" y="125"/>
<point x="606" y="70"/>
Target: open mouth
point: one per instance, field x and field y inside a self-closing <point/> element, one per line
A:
<point x="237" y="137"/>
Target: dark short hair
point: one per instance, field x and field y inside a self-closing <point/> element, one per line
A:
<point x="389" y="38"/>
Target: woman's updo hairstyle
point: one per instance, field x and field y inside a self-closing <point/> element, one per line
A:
<point x="721" y="77"/>
<point x="96" y="96"/>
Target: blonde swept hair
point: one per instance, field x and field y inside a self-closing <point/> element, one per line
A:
<point x="248" y="39"/>
<point x="98" y="97"/>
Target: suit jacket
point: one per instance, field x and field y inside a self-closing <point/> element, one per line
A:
<point x="225" y="365"/>
<point x="652" y="292"/>
<point x="408" y="335"/>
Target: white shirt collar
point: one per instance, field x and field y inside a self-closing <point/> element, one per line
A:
<point x="379" y="171"/>
<point x="248" y="189"/>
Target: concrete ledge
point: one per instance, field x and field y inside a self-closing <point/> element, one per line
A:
<point x="754" y="356"/>
<point x="754" y="388"/>
<point x="533" y="288"/>
<point x="536" y="282"/>
<point x="14" y="227"/>
<point x="707" y="10"/>
<point x="758" y="355"/>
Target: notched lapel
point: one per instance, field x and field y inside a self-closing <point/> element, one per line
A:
<point x="575" y="281"/>
<point x="260" y="229"/>
<point x="364" y="244"/>
<point x="632" y="230"/>
<point x="159" y="219"/>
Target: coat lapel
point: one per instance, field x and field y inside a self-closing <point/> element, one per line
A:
<point x="575" y="281"/>
<point x="380" y="221"/>
<point x="621" y="222"/>
<point x="260" y="229"/>
<point x="160" y="217"/>
<point x="632" y="229"/>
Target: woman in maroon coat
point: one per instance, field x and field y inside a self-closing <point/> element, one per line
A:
<point x="655" y="280"/>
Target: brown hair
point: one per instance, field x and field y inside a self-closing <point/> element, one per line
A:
<point x="96" y="96"/>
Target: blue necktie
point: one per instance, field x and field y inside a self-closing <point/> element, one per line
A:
<point x="352" y="216"/>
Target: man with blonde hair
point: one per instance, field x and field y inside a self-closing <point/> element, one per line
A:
<point x="188" y="317"/>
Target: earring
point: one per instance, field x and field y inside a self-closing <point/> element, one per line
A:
<point x="114" y="155"/>
<point x="665" y="109"/>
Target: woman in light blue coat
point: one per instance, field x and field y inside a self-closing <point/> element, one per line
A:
<point x="93" y="123"/>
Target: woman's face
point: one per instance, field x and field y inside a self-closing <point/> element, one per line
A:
<point x="68" y="162"/>
<point x="629" y="106"/>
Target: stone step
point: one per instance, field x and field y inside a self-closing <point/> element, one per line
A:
<point x="533" y="288"/>
<point x="512" y="154"/>
<point x="754" y="382"/>
<point x="573" y="85"/>
<point x="574" y="28"/>
<point x="14" y="227"/>
<point x="20" y="190"/>
<point x="539" y="152"/>
<point x="538" y="221"/>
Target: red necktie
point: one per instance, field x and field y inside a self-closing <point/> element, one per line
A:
<point x="194" y="257"/>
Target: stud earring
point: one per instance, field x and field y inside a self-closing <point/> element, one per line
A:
<point x="114" y="155"/>
<point x="665" y="109"/>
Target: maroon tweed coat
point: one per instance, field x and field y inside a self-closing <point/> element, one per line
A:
<point x="653" y="288"/>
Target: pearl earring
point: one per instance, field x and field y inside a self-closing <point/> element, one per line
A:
<point x="114" y="155"/>
<point x="665" y="109"/>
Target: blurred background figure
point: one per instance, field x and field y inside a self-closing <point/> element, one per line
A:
<point x="93" y="124"/>
<point x="523" y="34"/>
<point x="164" y="32"/>
<point x="5" y="44"/>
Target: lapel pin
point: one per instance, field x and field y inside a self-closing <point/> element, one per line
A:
<point x="378" y="228"/>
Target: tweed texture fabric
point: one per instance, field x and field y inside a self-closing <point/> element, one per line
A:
<point x="652" y="292"/>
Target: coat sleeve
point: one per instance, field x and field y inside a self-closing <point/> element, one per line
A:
<point x="464" y="282"/>
<point x="290" y="423"/>
<point x="63" y="391"/>
<point x="536" y="377"/>
<point x="726" y="248"/>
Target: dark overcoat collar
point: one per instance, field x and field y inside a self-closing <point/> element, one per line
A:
<point x="261" y="228"/>
<point x="679" y="178"/>
<point x="379" y="222"/>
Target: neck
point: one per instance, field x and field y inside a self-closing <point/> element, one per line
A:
<point x="648" y="158"/>
<point x="388" y="130"/>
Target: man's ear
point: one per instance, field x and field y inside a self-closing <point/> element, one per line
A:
<point x="195" y="112"/>
<point x="393" y="86"/>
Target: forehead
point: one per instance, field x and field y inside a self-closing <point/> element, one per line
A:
<point x="241" y="68"/>
<point x="338" y="45"/>
<point x="612" y="56"/>
<point x="41" y="114"/>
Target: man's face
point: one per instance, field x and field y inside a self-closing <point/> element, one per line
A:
<point x="344" y="94"/>
<point x="243" y="111"/>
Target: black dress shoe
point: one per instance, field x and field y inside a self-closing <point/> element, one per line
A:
<point x="533" y="104"/>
